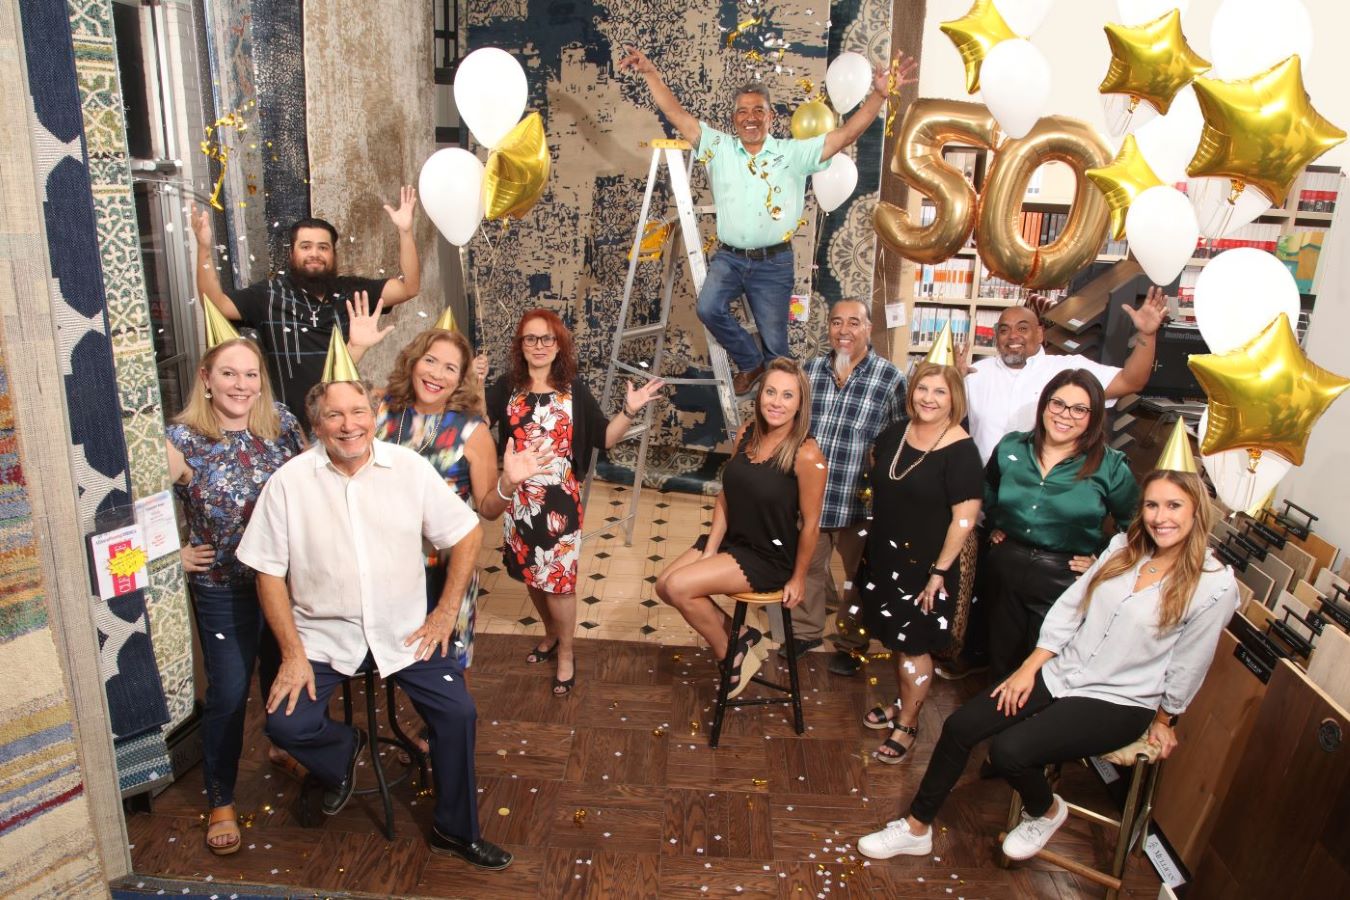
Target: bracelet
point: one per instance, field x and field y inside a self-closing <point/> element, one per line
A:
<point x="934" y="570"/>
<point x="499" y="490"/>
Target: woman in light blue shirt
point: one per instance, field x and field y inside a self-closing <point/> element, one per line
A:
<point x="1122" y="651"/>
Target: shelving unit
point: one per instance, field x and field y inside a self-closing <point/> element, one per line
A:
<point x="960" y="290"/>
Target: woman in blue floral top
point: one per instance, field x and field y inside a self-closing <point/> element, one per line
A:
<point x="228" y="440"/>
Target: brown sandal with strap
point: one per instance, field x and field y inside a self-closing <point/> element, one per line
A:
<point x="222" y="822"/>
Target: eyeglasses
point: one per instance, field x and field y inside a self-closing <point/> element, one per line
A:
<point x="541" y="340"/>
<point x="1059" y="407"/>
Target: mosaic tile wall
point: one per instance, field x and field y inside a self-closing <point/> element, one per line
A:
<point x="569" y="253"/>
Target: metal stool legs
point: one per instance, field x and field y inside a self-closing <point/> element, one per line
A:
<point x="400" y="741"/>
<point x="792" y="692"/>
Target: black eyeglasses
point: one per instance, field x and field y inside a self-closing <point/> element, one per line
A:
<point x="542" y="340"/>
<point x="1059" y="407"/>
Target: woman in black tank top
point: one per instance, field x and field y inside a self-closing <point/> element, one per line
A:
<point x="765" y="523"/>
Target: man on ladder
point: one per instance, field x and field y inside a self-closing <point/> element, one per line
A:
<point x="758" y="184"/>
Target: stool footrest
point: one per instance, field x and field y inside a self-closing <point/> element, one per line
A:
<point x="1091" y="816"/>
<point x="1074" y="866"/>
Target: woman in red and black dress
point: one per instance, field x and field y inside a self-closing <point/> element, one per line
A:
<point x="542" y="405"/>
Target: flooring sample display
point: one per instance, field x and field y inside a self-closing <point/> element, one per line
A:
<point x="1329" y="665"/>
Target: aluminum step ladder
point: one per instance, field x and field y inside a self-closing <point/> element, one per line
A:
<point x="672" y="154"/>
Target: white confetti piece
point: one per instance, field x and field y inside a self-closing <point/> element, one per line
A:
<point x="1014" y="459"/>
<point x="449" y="678"/>
<point x="421" y="313"/>
<point x="895" y="576"/>
<point x="870" y="586"/>
<point x="921" y="679"/>
<point x="862" y="532"/>
<point x="820" y="465"/>
<point x="219" y="636"/>
<point x="777" y="542"/>
<point x="853" y="610"/>
<point x="942" y="622"/>
<point x="886" y="613"/>
<point x="909" y="667"/>
<point x="964" y="523"/>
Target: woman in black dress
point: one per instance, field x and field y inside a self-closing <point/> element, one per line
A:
<point x="926" y="488"/>
<point x="765" y="523"/>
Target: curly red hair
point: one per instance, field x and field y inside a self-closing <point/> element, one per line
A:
<point x="564" y="369"/>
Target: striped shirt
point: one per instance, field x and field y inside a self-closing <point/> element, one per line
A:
<point x="845" y="421"/>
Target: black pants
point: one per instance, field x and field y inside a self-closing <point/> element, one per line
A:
<point x="1022" y="584"/>
<point x="1044" y="731"/>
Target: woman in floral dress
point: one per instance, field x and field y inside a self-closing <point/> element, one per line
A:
<point x="542" y="406"/>
<point x="222" y="448"/>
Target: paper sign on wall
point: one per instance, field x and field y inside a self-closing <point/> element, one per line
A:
<point x="799" y="309"/>
<point x="119" y="561"/>
<point x="159" y="525"/>
<point x="895" y="315"/>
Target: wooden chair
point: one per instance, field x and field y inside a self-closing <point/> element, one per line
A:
<point x="1131" y="828"/>
<point x="792" y="691"/>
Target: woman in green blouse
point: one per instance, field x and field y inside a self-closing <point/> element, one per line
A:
<point x="1048" y="492"/>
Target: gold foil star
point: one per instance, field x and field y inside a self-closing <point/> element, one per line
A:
<point x="974" y="34"/>
<point x="1260" y="131"/>
<point x="1127" y="177"/>
<point x="1265" y="395"/>
<point x="1151" y="62"/>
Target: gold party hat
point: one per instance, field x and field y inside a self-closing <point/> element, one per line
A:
<point x="1177" y="456"/>
<point x="218" y="328"/>
<point x="339" y="366"/>
<point x="447" y="321"/>
<point x="942" y="352"/>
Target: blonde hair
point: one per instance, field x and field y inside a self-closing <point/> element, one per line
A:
<point x="955" y="386"/>
<point x="199" y="415"/>
<point x="1185" y="575"/>
<point x="785" y="457"/>
<point x="467" y="397"/>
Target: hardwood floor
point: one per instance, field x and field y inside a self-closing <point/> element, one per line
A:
<point x="614" y="792"/>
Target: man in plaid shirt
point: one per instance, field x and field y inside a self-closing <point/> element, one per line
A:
<point x="855" y="394"/>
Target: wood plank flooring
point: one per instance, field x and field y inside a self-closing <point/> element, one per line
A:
<point x="613" y="792"/>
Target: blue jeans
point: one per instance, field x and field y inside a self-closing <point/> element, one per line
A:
<point x="231" y="629"/>
<point x="767" y="286"/>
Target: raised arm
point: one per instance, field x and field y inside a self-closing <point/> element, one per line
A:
<point x="398" y="290"/>
<point x="1147" y="319"/>
<point x="208" y="280"/>
<point x="634" y="400"/>
<point x="684" y="122"/>
<point x="902" y="72"/>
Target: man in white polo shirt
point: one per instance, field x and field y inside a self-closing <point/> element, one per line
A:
<point x="1002" y="390"/>
<point x="337" y="542"/>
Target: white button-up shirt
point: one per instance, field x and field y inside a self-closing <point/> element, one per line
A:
<point x="1115" y="652"/>
<point x="351" y="550"/>
<point x="1001" y="399"/>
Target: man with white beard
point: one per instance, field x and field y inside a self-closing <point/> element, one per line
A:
<point x="855" y="394"/>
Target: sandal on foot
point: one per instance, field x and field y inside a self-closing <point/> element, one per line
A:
<point x="540" y="654"/>
<point x="563" y="688"/>
<point x="879" y="718"/>
<point x="287" y="764"/>
<point x="752" y="657"/>
<point x="898" y="750"/>
<point x="222" y="822"/>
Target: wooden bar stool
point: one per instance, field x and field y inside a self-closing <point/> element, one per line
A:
<point x="793" y="690"/>
<point x="1131" y="827"/>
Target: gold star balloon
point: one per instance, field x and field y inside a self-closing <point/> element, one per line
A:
<point x="974" y="34"/>
<point x="1151" y="62"/>
<point x="1260" y="131"/>
<point x="1265" y="395"/>
<point x="516" y="170"/>
<point x="1128" y="176"/>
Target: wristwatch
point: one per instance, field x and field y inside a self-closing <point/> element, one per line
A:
<point x="934" y="570"/>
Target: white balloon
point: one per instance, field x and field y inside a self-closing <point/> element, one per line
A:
<point x="1217" y="216"/>
<point x="1023" y="16"/>
<point x="1250" y="36"/>
<point x="1239" y="292"/>
<point x="1168" y="142"/>
<point x="1239" y="488"/>
<point x="835" y="185"/>
<point x="1015" y="85"/>
<point x="490" y="93"/>
<point x="848" y="79"/>
<point x="1162" y="232"/>
<point x="1137" y="12"/>
<point x="451" y="190"/>
<point x="1120" y="119"/>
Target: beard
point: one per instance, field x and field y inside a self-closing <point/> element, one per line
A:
<point x="318" y="286"/>
<point x="1013" y="360"/>
<point x="842" y="365"/>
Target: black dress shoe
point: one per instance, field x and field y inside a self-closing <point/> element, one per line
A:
<point x="334" y="798"/>
<point x="803" y="648"/>
<point x="844" y="663"/>
<point x="481" y="853"/>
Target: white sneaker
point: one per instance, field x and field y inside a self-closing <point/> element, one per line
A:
<point x="1032" y="833"/>
<point x="895" y="839"/>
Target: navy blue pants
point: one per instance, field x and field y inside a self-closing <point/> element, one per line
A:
<point x="233" y="637"/>
<point x="436" y="688"/>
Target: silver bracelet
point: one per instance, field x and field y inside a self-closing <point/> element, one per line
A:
<point x="499" y="490"/>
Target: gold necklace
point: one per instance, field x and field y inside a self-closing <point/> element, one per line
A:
<point x="429" y="440"/>
<point x="895" y="461"/>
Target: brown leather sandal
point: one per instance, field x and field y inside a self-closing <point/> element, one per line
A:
<point x="222" y="822"/>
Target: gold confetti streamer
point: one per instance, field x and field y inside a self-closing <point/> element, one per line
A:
<point x="736" y="32"/>
<point x="579" y="817"/>
<point x="215" y="148"/>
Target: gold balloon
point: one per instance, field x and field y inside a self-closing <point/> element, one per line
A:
<point x="1001" y="245"/>
<point x="1128" y="176"/>
<point x="1151" y="62"/>
<point x="516" y="170"/>
<point x="813" y="118"/>
<point x="218" y="328"/>
<point x="974" y="34"/>
<point x="917" y="159"/>
<point x="1265" y="395"/>
<point x="1260" y="131"/>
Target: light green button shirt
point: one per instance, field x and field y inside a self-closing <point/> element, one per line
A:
<point x="758" y="198"/>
